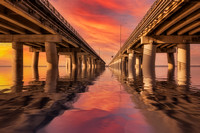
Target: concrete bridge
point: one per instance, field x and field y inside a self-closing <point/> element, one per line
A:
<point x="169" y="26"/>
<point x="37" y="24"/>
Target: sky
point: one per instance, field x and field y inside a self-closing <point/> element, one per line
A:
<point x="98" y="22"/>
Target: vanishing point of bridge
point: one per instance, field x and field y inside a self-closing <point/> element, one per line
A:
<point x="169" y="26"/>
<point x="37" y="24"/>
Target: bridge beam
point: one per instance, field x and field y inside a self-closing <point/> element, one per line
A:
<point x="162" y="39"/>
<point x="30" y="38"/>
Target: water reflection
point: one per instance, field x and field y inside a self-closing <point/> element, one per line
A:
<point x="29" y="107"/>
<point x="167" y="105"/>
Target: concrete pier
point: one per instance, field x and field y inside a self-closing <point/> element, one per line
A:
<point x="171" y="62"/>
<point x="149" y="55"/>
<point x="93" y="63"/>
<point x="35" y="59"/>
<point x="84" y="62"/>
<point x="68" y="62"/>
<point x="51" y="55"/>
<point x="123" y="64"/>
<point x="17" y="66"/>
<point x="74" y="60"/>
<point x="131" y="65"/>
<point x="138" y="62"/>
<point x="35" y="66"/>
<point x="52" y="67"/>
<point x="183" y="62"/>
<point x="171" y="66"/>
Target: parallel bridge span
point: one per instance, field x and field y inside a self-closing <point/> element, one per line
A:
<point x="168" y="26"/>
<point x="37" y="24"/>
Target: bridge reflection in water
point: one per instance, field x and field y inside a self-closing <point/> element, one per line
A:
<point x="27" y="108"/>
<point x="165" y="104"/>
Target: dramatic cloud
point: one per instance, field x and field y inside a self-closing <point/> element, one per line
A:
<point x="99" y="21"/>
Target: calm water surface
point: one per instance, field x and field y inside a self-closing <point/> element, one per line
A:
<point x="99" y="101"/>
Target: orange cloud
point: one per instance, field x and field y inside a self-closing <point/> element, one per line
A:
<point x="99" y="21"/>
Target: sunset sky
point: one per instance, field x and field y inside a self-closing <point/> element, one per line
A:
<point x="98" y="22"/>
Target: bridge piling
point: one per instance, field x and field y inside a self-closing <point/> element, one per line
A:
<point x="138" y="62"/>
<point x="131" y="64"/>
<point x="171" y="66"/>
<point x="84" y="62"/>
<point x="123" y="64"/>
<point x="74" y="60"/>
<point x="35" y="59"/>
<point x="171" y="62"/>
<point x="149" y="55"/>
<point x="51" y="55"/>
<point x="183" y="62"/>
<point x="17" y="66"/>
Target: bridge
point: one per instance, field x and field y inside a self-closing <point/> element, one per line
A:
<point x="37" y="24"/>
<point x="169" y="26"/>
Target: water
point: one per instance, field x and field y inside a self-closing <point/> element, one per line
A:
<point x="100" y="101"/>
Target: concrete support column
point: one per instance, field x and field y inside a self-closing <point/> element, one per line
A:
<point x="171" y="66"/>
<point x="171" y="63"/>
<point x="35" y="59"/>
<point x="84" y="62"/>
<point x="51" y="55"/>
<point x="17" y="66"/>
<point x="88" y="62"/>
<point x="183" y="62"/>
<point x="93" y="63"/>
<point x="124" y="67"/>
<point x="148" y="66"/>
<point x="84" y="66"/>
<point x="123" y="64"/>
<point x="35" y="65"/>
<point x="68" y="62"/>
<point x="138" y="63"/>
<point x="131" y="64"/>
<point x="149" y="55"/>
<point x="68" y="66"/>
<point x="74" y="60"/>
<point x="52" y="67"/>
